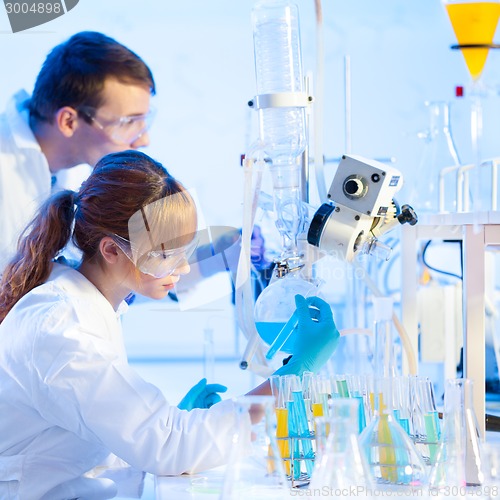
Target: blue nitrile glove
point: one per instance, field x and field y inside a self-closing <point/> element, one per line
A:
<point x="222" y="254"/>
<point x="202" y="395"/>
<point x="315" y="339"/>
<point x="227" y="244"/>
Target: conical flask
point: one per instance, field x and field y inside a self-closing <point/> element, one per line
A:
<point x="439" y="152"/>
<point x="391" y="455"/>
<point x="458" y="461"/>
<point x="341" y="464"/>
<point x="255" y="468"/>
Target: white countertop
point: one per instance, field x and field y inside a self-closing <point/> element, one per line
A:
<point x="208" y="485"/>
<point x="196" y="486"/>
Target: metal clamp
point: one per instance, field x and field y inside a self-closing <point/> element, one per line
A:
<point x="281" y="100"/>
<point x="283" y="267"/>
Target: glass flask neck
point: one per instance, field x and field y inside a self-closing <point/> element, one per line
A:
<point x="439" y="117"/>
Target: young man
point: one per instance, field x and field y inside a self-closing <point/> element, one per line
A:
<point x="91" y="98"/>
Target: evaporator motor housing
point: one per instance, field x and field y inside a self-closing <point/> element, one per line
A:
<point x="361" y="198"/>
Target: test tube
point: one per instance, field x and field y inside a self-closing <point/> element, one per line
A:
<point x="307" y="382"/>
<point x="402" y="408"/>
<point x="431" y="418"/>
<point x="277" y="389"/>
<point x="354" y="384"/>
<point x="288" y="328"/>
<point x="283" y="336"/>
<point x="293" y="425"/>
<point x="342" y="387"/>
<point x="320" y="394"/>
<point x="299" y="414"/>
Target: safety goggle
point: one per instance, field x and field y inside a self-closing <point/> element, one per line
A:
<point x="124" y="129"/>
<point x="158" y="263"/>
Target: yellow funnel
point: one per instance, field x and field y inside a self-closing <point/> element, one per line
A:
<point x="474" y="23"/>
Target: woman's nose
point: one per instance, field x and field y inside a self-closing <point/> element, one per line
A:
<point x="182" y="268"/>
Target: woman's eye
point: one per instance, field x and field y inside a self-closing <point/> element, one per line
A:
<point x="127" y="121"/>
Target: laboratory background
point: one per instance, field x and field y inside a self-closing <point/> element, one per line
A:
<point x="387" y="69"/>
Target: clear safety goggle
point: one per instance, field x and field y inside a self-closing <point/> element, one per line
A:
<point x="158" y="263"/>
<point x="159" y="244"/>
<point x="124" y="129"/>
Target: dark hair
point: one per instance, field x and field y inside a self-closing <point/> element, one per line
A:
<point x="120" y="185"/>
<point x="74" y="73"/>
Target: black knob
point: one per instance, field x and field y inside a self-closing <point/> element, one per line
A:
<point x="408" y="215"/>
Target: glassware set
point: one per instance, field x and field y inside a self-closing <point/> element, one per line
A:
<point x="461" y="187"/>
<point x="363" y="432"/>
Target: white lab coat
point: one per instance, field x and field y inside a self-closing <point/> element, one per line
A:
<point x="68" y="398"/>
<point x="25" y="179"/>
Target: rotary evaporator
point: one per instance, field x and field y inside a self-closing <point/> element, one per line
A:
<point x="359" y="206"/>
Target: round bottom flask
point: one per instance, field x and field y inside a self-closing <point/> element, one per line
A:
<point x="276" y="304"/>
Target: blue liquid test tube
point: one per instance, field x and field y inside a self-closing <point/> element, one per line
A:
<point x="287" y="330"/>
<point x="303" y="429"/>
<point x="283" y="336"/>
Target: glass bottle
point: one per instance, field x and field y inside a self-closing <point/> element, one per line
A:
<point x="439" y="152"/>
<point x="255" y="468"/>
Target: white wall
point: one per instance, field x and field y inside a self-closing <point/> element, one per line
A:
<point x="202" y="57"/>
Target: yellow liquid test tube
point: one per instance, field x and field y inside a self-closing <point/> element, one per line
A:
<point x="371" y="400"/>
<point x="474" y="23"/>
<point x="282" y="435"/>
<point x="388" y="467"/>
<point x="317" y="410"/>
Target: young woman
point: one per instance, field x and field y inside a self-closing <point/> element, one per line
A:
<point x="68" y="397"/>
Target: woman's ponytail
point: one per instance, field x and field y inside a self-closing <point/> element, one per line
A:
<point x="46" y="235"/>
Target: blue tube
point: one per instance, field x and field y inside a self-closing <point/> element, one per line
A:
<point x="293" y="432"/>
<point x="303" y="430"/>
<point x="283" y="336"/>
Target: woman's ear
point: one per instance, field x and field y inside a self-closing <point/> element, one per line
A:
<point x="109" y="250"/>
